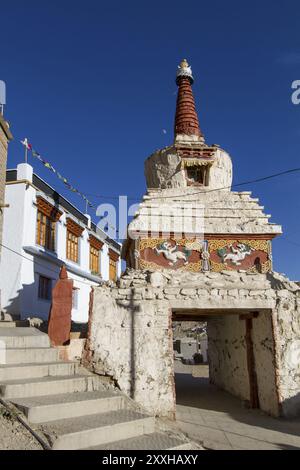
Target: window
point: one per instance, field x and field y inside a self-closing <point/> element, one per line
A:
<point x="95" y="253"/>
<point x="47" y="216"/>
<point x="74" y="232"/>
<point x="197" y="175"/>
<point x="112" y="270"/>
<point x="258" y="265"/>
<point x="94" y="260"/>
<point x="45" y="231"/>
<point x="45" y="288"/>
<point x="113" y="265"/>
<point x="72" y="246"/>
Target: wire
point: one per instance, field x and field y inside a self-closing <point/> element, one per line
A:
<point x="288" y="241"/>
<point x="86" y="283"/>
<point x="37" y="263"/>
<point x="50" y="167"/>
<point x="257" y="180"/>
<point x="98" y="196"/>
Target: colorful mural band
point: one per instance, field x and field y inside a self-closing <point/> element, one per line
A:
<point x="205" y="255"/>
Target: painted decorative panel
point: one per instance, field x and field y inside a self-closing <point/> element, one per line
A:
<point x="246" y="255"/>
<point x="205" y="255"/>
<point x="170" y="254"/>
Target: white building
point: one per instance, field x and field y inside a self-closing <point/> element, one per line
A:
<point x="41" y="231"/>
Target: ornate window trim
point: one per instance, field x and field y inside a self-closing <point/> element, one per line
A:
<point x="48" y="209"/>
<point x="113" y="255"/>
<point x="74" y="228"/>
<point x="95" y="242"/>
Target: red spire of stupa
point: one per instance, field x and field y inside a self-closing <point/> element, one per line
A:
<point x="186" y="119"/>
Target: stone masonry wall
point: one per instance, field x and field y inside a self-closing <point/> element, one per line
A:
<point x="227" y="355"/>
<point x="131" y="334"/>
<point x="286" y="331"/>
<point x="228" y="358"/>
<point x="132" y="342"/>
<point x="265" y="364"/>
<point x="163" y="170"/>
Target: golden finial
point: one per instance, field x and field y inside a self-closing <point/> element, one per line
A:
<point x="184" y="64"/>
<point x="184" y="70"/>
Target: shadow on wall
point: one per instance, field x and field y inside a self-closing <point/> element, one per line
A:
<point x="27" y="302"/>
<point x="291" y="407"/>
<point x="132" y="366"/>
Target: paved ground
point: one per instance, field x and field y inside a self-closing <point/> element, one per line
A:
<point x="220" y="421"/>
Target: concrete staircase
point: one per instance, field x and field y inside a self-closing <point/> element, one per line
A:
<point x="74" y="408"/>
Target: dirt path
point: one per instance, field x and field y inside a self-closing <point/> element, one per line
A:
<point x="13" y="436"/>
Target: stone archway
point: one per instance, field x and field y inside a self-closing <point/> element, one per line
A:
<point x="131" y="334"/>
<point x="240" y="353"/>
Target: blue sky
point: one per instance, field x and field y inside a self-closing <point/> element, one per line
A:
<point x="91" y="84"/>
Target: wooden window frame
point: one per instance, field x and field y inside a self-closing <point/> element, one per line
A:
<point x="45" y="288"/>
<point x="113" y="271"/>
<point x="202" y="170"/>
<point x="95" y="255"/>
<point x="45" y="231"/>
<point x="74" y="232"/>
<point x="94" y="260"/>
<point x="113" y="265"/>
<point x="72" y="250"/>
<point x="46" y="218"/>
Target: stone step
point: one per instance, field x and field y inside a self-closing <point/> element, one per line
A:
<point x="24" y="338"/>
<point x="30" y="355"/>
<point x="31" y="371"/>
<point x="14" y="324"/>
<point x="55" y="407"/>
<point x="9" y="317"/>
<point x="98" y="429"/>
<point x="153" y="441"/>
<point x="49" y="386"/>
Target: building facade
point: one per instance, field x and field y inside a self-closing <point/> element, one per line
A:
<point x="5" y="137"/>
<point x="42" y="231"/>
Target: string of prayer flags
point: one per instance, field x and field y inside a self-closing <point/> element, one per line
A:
<point x="26" y="144"/>
<point x="64" y="180"/>
<point x="50" y="167"/>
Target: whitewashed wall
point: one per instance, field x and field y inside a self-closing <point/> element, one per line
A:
<point x="227" y="355"/>
<point x="24" y="261"/>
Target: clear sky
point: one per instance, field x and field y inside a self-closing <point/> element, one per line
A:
<point x="91" y="84"/>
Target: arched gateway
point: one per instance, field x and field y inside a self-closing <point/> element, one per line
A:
<point x="196" y="249"/>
